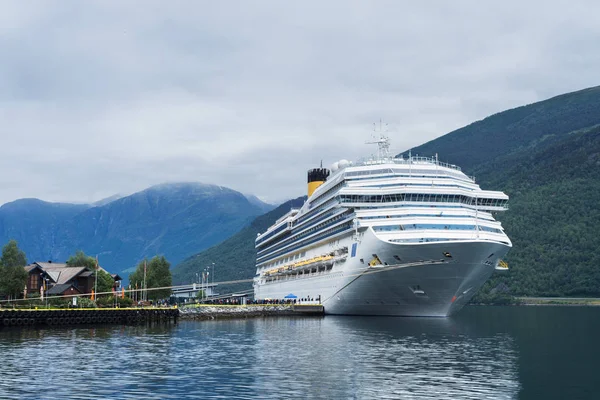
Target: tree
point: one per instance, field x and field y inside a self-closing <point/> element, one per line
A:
<point x="13" y="276"/>
<point x="12" y="256"/>
<point x="158" y="274"/>
<point x="105" y="282"/>
<point x="80" y="259"/>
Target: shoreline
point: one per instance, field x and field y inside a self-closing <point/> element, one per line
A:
<point x="546" y="301"/>
<point x="213" y="312"/>
<point x="558" y="301"/>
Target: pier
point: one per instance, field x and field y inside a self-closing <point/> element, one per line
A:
<point x="85" y="316"/>
<point x="121" y="316"/>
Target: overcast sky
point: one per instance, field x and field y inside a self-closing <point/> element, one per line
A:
<point x="106" y="97"/>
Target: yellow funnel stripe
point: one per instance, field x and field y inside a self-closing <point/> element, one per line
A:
<point x="312" y="186"/>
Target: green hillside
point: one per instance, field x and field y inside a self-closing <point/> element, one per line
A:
<point x="553" y="220"/>
<point x="546" y="157"/>
<point x="235" y="257"/>
<point x="490" y="144"/>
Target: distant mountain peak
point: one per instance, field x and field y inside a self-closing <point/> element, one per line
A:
<point x="266" y="207"/>
<point x="30" y="202"/>
<point x="189" y="186"/>
<point x="107" y="200"/>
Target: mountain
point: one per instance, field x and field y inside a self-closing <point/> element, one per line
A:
<point x="176" y="220"/>
<point x="106" y="200"/>
<point x="33" y="224"/>
<point x="495" y="143"/>
<point x="235" y="257"/>
<point x="265" y="207"/>
<point x="546" y="157"/>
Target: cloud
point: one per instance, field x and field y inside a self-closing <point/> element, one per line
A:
<point x="98" y="98"/>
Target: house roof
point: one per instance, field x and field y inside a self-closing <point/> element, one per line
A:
<point x="31" y="267"/>
<point x="61" y="273"/>
<point x="61" y="288"/>
<point x="64" y="274"/>
<point x="45" y="265"/>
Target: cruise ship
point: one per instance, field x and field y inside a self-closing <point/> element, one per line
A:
<point x="402" y="236"/>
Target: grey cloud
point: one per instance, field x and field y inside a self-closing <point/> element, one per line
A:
<point x="102" y="97"/>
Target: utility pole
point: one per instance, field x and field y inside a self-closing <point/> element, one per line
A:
<point x="213" y="276"/>
<point x="96" y="280"/>
<point x="205" y="282"/>
<point x="145" y="292"/>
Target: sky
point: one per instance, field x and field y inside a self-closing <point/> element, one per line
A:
<point x="106" y="97"/>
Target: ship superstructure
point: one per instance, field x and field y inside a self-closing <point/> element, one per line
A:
<point x="387" y="236"/>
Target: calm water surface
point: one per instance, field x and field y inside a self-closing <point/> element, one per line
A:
<point x="483" y="352"/>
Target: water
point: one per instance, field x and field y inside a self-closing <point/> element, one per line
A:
<point x="483" y="352"/>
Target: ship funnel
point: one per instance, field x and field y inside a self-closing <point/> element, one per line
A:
<point x="316" y="177"/>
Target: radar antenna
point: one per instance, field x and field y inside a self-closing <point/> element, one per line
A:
<point x="382" y="142"/>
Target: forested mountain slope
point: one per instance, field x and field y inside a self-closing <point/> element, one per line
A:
<point x="546" y="157"/>
<point x="235" y="257"/>
<point x="486" y="145"/>
<point x="553" y="220"/>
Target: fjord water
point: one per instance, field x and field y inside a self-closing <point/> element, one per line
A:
<point x="483" y="352"/>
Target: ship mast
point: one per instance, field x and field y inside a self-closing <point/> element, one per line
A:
<point x="383" y="142"/>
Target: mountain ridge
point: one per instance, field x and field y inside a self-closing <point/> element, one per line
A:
<point x="520" y="127"/>
<point x="174" y="219"/>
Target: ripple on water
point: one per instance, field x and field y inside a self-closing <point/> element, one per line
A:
<point x="260" y="358"/>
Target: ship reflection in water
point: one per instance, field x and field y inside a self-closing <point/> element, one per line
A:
<point x="392" y="358"/>
<point x="483" y="352"/>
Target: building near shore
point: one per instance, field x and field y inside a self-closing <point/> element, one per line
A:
<point x="64" y="289"/>
<point x="60" y="279"/>
<point x="187" y="293"/>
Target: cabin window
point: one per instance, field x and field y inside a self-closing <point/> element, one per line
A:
<point x="34" y="281"/>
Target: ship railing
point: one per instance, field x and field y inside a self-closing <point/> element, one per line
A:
<point x="301" y="265"/>
<point x="425" y="160"/>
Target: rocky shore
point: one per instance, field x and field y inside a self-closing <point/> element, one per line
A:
<point x="208" y="312"/>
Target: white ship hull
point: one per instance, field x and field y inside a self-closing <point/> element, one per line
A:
<point x="389" y="236"/>
<point x="424" y="282"/>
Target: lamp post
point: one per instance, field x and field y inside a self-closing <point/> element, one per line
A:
<point x="213" y="275"/>
<point x="46" y="292"/>
<point x="42" y="286"/>
<point x="96" y="279"/>
<point x="205" y="279"/>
